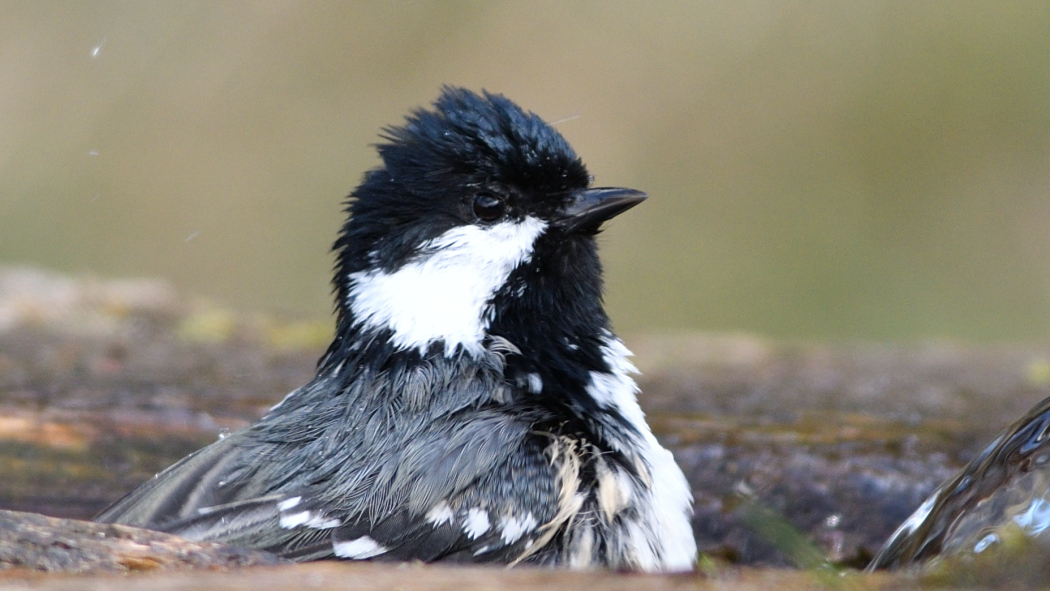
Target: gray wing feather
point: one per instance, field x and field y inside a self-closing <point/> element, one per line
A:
<point x="178" y="491"/>
<point x="462" y="490"/>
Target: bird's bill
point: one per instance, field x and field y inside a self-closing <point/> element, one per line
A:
<point x="590" y="207"/>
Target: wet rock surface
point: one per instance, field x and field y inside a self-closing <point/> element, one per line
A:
<point x="845" y="441"/>
<point x="102" y="384"/>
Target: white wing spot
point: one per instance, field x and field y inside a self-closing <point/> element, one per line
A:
<point x="440" y="514"/>
<point x="513" y="528"/>
<point x="477" y="523"/>
<point x="289" y="503"/>
<point x="319" y="522"/>
<point x="295" y="519"/>
<point x="363" y="547"/>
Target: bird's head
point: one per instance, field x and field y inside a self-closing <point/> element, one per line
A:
<point x="480" y="222"/>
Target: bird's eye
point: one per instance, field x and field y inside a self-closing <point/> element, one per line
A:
<point x="487" y="207"/>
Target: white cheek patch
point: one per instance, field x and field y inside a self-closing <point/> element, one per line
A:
<point x="445" y="294"/>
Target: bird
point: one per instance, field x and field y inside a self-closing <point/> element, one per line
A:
<point x="474" y="405"/>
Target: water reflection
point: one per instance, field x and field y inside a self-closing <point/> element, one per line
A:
<point x="1004" y="491"/>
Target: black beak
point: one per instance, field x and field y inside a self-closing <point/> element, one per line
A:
<point x="590" y="207"/>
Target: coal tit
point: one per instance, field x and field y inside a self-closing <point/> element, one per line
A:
<point x="474" y="405"/>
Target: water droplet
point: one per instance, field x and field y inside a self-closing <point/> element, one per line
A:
<point x="986" y="541"/>
<point x="95" y="51"/>
<point x="224" y="433"/>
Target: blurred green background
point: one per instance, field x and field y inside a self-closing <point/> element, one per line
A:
<point x="818" y="170"/>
